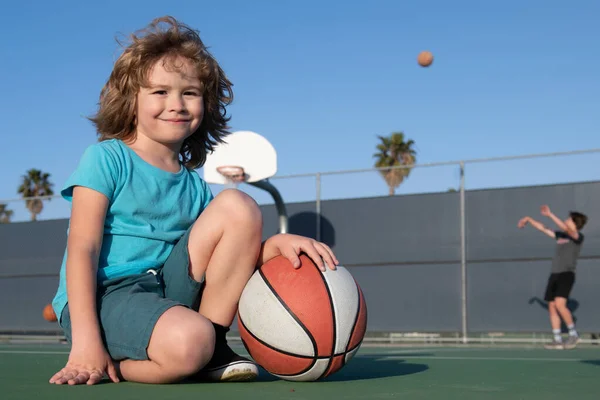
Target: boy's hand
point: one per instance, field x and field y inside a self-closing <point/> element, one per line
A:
<point x="522" y="222"/>
<point x="86" y="366"/>
<point x="290" y="246"/>
<point x="545" y="210"/>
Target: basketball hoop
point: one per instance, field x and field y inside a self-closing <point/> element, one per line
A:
<point x="246" y="157"/>
<point x="234" y="175"/>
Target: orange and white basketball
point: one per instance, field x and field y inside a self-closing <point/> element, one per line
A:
<point x="301" y="324"/>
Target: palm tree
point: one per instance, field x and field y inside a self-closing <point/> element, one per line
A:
<point x="394" y="151"/>
<point x="35" y="184"/>
<point x="5" y="214"/>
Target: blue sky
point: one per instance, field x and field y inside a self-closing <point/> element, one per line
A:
<point x="320" y="79"/>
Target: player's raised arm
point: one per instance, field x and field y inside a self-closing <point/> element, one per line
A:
<point x="570" y="229"/>
<point x="537" y="225"/>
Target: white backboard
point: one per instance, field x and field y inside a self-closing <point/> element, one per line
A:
<point x="245" y="149"/>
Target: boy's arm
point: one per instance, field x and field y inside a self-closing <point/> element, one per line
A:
<point x="88" y="359"/>
<point x="537" y="225"/>
<point x="559" y="223"/>
<point x="83" y="250"/>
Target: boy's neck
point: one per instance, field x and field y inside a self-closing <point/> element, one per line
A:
<point x="160" y="155"/>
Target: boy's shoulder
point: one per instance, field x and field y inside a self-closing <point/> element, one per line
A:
<point x="109" y="154"/>
<point x="105" y="148"/>
<point x="564" y="237"/>
<point x="112" y="147"/>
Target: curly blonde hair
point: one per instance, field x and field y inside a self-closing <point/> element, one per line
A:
<point x="116" y="118"/>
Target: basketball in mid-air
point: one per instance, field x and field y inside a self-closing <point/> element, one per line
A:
<point x="301" y="324"/>
<point x="425" y="58"/>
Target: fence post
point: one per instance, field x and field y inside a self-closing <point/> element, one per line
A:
<point x="318" y="205"/>
<point x="463" y="254"/>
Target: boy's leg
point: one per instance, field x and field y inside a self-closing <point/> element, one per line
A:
<point x="151" y="338"/>
<point x="565" y="285"/>
<point x="181" y="344"/>
<point x="219" y="258"/>
<point x="555" y="324"/>
<point x="554" y="317"/>
<point x="560" y="303"/>
<point x="549" y="296"/>
<point x="224" y="245"/>
<point x="565" y="313"/>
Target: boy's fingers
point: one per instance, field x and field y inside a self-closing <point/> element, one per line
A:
<point x="331" y="254"/>
<point x="315" y="256"/>
<point x="66" y="377"/>
<point x="70" y="375"/>
<point x="81" y="377"/>
<point x="94" y="378"/>
<point x="326" y="255"/>
<point x="112" y="373"/>
<point x="293" y="257"/>
<point x="56" y="376"/>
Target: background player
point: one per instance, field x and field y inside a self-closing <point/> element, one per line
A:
<point x="562" y="276"/>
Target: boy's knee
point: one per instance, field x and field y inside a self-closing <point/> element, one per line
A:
<point x="192" y="346"/>
<point x="240" y="208"/>
<point x="560" y="305"/>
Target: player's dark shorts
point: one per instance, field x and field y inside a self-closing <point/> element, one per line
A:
<point x="559" y="285"/>
<point x="129" y="307"/>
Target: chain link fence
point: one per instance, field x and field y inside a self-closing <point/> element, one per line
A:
<point x="308" y="194"/>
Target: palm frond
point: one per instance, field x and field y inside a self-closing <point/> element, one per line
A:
<point x="392" y="151"/>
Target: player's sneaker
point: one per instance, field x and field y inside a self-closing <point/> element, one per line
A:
<point x="227" y="366"/>
<point x="571" y="342"/>
<point x="554" y="345"/>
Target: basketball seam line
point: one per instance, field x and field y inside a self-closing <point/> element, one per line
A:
<point x="287" y="353"/>
<point x="294" y="316"/>
<point x="334" y="325"/>
<point x="355" y="318"/>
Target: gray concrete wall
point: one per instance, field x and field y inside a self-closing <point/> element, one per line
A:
<point x="403" y="250"/>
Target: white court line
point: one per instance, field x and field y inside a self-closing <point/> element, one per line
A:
<point x="378" y="356"/>
<point x="481" y="358"/>
<point x="398" y="352"/>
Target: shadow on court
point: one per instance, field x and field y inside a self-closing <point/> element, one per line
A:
<point x="366" y="367"/>
<point x="592" y="362"/>
<point x="572" y="305"/>
<point x="373" y="367"/>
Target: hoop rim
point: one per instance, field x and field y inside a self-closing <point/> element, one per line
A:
<point x="233" y="173"/>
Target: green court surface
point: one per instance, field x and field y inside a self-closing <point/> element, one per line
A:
<point x="375" y="373"/>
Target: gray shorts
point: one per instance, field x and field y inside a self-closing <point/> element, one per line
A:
<point x="129" y="307"/>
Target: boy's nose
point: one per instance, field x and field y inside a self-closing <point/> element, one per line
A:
<point x="176" y="103"/>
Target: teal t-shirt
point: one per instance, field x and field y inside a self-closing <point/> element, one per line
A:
<point x="149" y="210"/>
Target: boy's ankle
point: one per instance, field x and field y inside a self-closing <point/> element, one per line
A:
<point x="220" y="333"/>
<point x="227" y="365"/>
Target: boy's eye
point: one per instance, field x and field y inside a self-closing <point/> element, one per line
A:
<point x="187" y="93"/>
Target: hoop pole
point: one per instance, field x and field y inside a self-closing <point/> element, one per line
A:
<point x="281" y="209"/>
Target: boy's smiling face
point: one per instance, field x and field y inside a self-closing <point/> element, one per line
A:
<point x="171" y="108"/>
